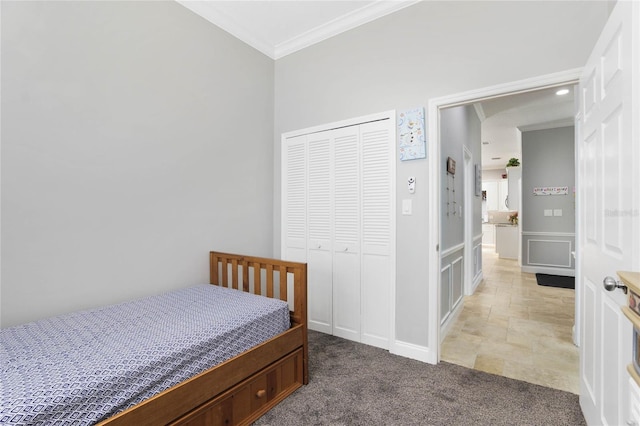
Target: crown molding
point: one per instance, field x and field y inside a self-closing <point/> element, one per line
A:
<point x="565" y="122"/>
<point x="480" y="111"/>
<point x="339" y="25"/>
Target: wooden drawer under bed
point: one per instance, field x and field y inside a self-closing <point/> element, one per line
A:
<point x="251" y="398"/>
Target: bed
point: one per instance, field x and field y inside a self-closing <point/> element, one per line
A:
<point x="189" y="364"/>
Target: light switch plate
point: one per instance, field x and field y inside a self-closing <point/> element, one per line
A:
<point x="557" y="212"/>
<point x="548" y="212"/>
<point x="406" y="207"/>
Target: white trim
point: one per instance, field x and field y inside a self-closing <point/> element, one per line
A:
<point x="521" y="86"/>
<point x="561" y="78"/>
<point x="464" y="284"/>
<point x="557" y="265"/>
<point x="450" y="275"/>
<point x="567" y="122"/>
<point x="549" y="270"/>
<point x="477" y="237"/>
<point x="479" y="111"/>
<point x="385" y="115"/>
<point x="434" y="221"/>
<point x="392" y="232"/>
<point x="451" y="319"/>
<point x="451" y="250"/>
<point x="549" y="234"/>
<point x="354" y="19"/>
<point x="361" y="16"/>
<point x="477" y="280"/>
<point x="413" y="351"/>
<point x="468" y="194"/>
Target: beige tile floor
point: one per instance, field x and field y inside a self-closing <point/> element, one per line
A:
<point x="513" y="327"/>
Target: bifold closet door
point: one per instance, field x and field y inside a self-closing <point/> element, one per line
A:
<point x="319" y="211"/>
<point x="346" y="233"/>
<point x="294" y="211"/>
<point x="338" y="216"/>
<point x="377" y="179"/>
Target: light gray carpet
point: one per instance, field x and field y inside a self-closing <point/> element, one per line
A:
<point x="355" y="384"/>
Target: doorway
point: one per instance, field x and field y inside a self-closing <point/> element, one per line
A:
<point x="490" y="318"/>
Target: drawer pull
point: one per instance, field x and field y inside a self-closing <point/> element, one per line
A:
<point x="261" y="393"/>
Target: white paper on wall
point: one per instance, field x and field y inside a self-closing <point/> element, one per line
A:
<point x="411" y="132"/>
<point x="551" y="190"/>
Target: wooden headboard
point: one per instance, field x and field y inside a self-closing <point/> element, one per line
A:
<point x="267" y="277"/>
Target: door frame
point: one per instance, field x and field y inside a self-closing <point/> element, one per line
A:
<point x="469" y="192"/>
<point x="562" y="78"/>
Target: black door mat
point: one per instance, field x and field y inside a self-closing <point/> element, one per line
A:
<point x="556" y="281"/>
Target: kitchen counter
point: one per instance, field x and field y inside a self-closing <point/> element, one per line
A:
<point x="507" y="240"/>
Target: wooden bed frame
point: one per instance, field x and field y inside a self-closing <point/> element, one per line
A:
<point x="240" y="390"/>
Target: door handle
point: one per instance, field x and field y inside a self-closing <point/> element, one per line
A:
<point x="611" y="284"/>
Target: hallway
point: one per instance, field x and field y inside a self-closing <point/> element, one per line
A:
<point x="515" y="328"/>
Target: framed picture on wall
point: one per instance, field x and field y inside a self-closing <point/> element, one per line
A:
<point x="451" y="166"/>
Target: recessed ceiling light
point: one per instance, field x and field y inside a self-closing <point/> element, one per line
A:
<point x="562" y="92"/>
<point x="496" y="158"/>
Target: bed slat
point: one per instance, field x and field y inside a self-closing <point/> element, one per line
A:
<point x="270" y="281"/>
<point x="283" y="282"/>
<point x="257" y="282"/>
<point x="245" y="276"/>
<point x="234" y="273"/>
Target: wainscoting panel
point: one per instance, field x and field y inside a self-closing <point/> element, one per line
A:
<point x="548" y="253"/>
<point x="451" y="281"/>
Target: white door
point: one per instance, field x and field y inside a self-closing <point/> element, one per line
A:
<point x="294" y="202"/>
<point x="609" y="218"/>
<point x="319" y="210"/>
<point x="378" y="231"/>
<point x="346" y="233"/>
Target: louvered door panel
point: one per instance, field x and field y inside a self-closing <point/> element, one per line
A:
<point x="319" y="219"/>
<point x="346" y="233"/>
<point x="319" y="205"/>
<point x="346" y="189"/>
<point x="376" y="187"/>
<point x="294" y="214"/>
<point x="377" y="222"/>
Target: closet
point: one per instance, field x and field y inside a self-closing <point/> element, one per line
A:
<point x="338" y="199"/>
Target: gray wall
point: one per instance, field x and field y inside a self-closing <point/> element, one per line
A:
<point x="548" y="160"/>
<point x="458" y="126"/>
<point x="425" y="51"/>
<point x="136" y="137"/>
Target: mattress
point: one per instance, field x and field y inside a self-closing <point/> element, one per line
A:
<point x="84" y="367"/>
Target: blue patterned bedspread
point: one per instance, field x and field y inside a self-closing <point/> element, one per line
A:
<point x="84" y="367"/>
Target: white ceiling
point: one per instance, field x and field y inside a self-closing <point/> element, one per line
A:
<point x="504" y="118"/>
<point x="279" y="28"/>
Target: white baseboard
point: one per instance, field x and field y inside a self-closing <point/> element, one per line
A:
<point x="476" y="282"/>
<point x="413" y="351"/>
<point x="549" y="270"/>
<point x="453" y="316"/>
